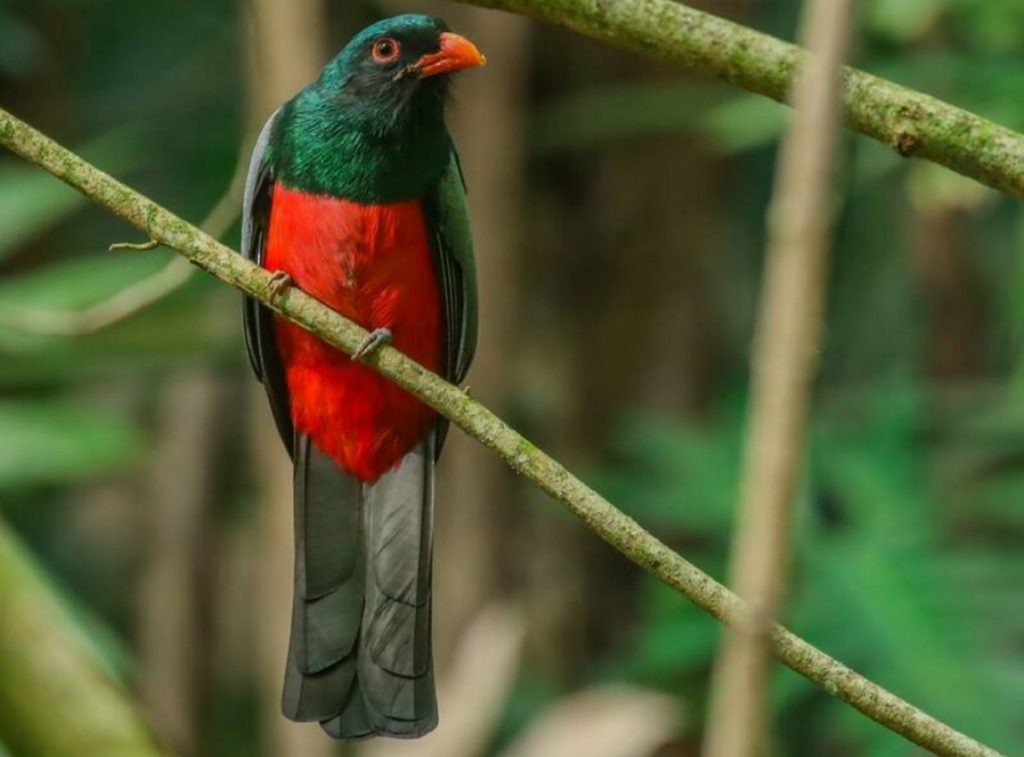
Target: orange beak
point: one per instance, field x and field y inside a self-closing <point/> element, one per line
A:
<point x="456" y="54"/>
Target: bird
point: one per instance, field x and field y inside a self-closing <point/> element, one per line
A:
<point x="355" y="195"/>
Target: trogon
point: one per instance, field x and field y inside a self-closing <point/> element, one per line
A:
<point x="355" y="196"/>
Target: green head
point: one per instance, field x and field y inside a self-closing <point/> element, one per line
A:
<point x="371" y="129"/>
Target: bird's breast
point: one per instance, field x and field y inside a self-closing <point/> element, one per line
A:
<point x="374" y="265"/>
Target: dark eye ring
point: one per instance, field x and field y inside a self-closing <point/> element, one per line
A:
<point x="386" y="50"/>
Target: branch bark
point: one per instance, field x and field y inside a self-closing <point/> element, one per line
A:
<point x="912" y="123"/>
<point x="785" y="358"/>
<point x="615" y="527"/>
<point x="55" y="699"/>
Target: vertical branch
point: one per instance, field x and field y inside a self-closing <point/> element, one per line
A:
<point x="785" y="356"/>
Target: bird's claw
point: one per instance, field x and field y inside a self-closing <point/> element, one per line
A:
<point x="279" y="282"/>
<point x="373" y="342"/>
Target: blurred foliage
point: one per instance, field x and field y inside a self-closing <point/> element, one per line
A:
<point x="124" y="83"/>
<point x="909" y="560"/>
<point x="61" y="444"/>
<point x="608" y="115"/>
<point x="883" y="557"/>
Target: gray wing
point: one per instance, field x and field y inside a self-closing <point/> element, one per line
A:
<point x="448" y="217"/>
<point x="258" y="320"/>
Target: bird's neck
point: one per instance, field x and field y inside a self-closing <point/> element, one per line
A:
<point x="322" y="149"/>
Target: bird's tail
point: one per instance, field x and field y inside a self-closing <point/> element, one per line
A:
<point x="360" y="659"/>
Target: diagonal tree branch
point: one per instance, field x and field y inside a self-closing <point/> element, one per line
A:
<point x="56" y="699"/>
<point x="615" y="527"/>
<point x="912" y="123"/>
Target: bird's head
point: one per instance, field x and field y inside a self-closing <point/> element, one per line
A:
<point x="397" y="71"/>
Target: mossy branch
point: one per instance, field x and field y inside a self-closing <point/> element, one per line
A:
<point x="615" y="527"/>
<point x="912" y="123"/>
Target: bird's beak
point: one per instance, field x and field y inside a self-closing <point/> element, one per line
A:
<point x="456" y="54"/>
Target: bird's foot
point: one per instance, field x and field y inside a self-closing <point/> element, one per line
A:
<point x="373" y="342"/>
<point x="279" y="282"/>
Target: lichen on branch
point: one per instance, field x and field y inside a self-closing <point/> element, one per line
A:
<point x="615" y="527"/>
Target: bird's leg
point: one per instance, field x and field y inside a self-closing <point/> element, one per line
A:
<point x="373" y="342"/>
<point x="279" y="282"/>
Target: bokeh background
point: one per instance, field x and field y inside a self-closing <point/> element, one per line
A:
<point x="620" y="221"/>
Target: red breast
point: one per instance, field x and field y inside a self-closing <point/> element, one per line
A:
<point x="373" y="264"/>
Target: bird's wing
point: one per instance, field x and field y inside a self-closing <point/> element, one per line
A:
<point x="258" y="320"/>
<point x="329" y="561"/>
<point x="448" y="215"/>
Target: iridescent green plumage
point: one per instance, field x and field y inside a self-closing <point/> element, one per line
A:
<point x="360" y="134"/>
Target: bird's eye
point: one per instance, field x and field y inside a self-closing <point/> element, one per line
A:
<point x="386" y="50"/>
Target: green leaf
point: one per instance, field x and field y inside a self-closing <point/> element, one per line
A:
<point x="47" y="442"/>
<point x="903" y="21"/>
<point x="178" y="327"/>
<point x="111" y="651"/>
<point x="608" y="115"/>
<point x="611" y="113"/>
<point x="744" y="122"/>
<point x="934" y="188"/>
<point x="31" y="201"/>
<point x="22" y="47"/>
<point x="81" y="282"/>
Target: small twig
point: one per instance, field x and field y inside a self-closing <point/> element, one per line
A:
<point x="615" y="527"/>
<point x="140" y="295"/>
<point x="152" y="244"/>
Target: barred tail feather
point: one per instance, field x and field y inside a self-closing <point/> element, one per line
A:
<point x="360" y="656"/>
<point x="395" y="662"/>
<point x="329" y="579"/>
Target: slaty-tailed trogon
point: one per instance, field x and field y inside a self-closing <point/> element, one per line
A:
<point x="355" y="195"/>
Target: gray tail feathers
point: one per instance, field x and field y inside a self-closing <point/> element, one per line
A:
<point x="360" y="659"/>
